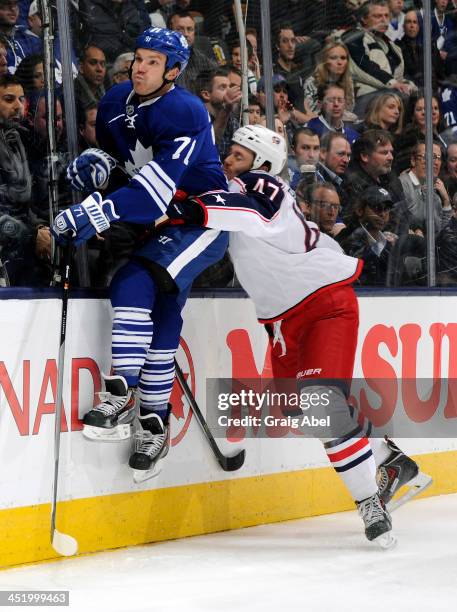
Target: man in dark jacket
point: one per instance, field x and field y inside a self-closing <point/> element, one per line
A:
<point x="113" y="25"/>
<point x="371" y="165"/>
<point x="23" y="241"/>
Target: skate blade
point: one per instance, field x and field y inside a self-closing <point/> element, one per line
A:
<point x="140" y="476"/>
<point x="385" y="541"/>
<point x="101" y="434"/>
<point x="414" y="487"/>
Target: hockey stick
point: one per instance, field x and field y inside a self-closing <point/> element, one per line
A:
<point x="62" y="543"/>
<point x="228" y="464"/>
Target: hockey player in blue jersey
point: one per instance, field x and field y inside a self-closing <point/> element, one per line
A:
<point x="160" y="135"/>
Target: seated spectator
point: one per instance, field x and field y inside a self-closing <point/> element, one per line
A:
<point x="3" y="55"/>
<point x="89" y="84"/>
<point x="384" y="112"/>
<point x="37" y="152"/>
<point x="443" y="29"/>
<point x="113" y="26"/>
<point x="251" y="36"/>
<point x="34" y="22"/>
<point x="253" y="62"/>
<point x="324" y="207"/>
<point x="334" y="158"/>
<point x="376" y="62"/>
<point x="416" y="130"/>
<point x="332" y="104"/>
<point x="255" y="110"/>
<point x="120" y="70"/>
<point x="290" y="116"/>
<point x="30" y="73"/>
<point x="446" y="250"/>
<point x="329" y="18"/>
<point x="305" y="148"/>
<point x="333" y="68"/>
<point x="87" y="118"/>
<point x="450" y="173"/>
<point x="395" y="31"/>
<point x="199" y="62"/>
<point x="364" y="236"/>
<point x="287" y="65"/>
<point x="414" y="188"/>
<point x="412" y="47"/>
<point x="21" y="42"/>
<point x="23" y="242"/>
<point x="220" y="99"/>
<point x="371" y="165"/>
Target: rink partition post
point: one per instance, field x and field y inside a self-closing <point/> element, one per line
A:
<point x="281" y="479"/>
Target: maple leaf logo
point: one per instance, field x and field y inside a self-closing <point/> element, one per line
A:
<point x="176" y="399"/>
<point x="140" y="156"/>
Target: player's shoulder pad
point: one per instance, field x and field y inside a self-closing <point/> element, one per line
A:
<point x="250" y="179"/>
<point x="117" y="93"/>
<point x="184" y="108"/>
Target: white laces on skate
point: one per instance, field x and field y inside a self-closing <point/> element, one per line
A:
<point x="148" y="443"/>
<point x="110" y="404"/>
<point x="371" y="510"/>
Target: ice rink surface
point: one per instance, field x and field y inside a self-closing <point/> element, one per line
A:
<point x="318" y="564"/>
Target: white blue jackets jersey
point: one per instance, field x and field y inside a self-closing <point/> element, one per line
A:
<point x="163" y="144"/>
<point x="280" y="258"/>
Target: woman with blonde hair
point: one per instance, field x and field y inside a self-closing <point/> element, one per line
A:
<point x="333" y="68"/>
<point x="385" y="112"/>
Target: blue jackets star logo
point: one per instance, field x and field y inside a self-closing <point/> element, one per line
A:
<point x="219" y="199"/>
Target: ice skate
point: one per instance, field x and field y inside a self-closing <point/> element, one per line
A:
<point x="152" y="442"/>
<point x="378" y="524"/>
<point x="399" y="470"/>
<point x="111" y="420"/>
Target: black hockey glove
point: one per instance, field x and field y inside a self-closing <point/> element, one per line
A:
<point x="191" y="211"/>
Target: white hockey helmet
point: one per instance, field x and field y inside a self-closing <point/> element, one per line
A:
<point x="268" y="146"/>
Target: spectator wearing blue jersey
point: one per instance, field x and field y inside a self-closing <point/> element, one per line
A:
<point x="36" y="26"/>
<point x="332" y="104"/>
<point x="161" y="136"/>
<point x="21" y="42"/>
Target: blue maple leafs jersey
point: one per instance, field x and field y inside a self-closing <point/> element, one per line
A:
<point x="449" y="105"/>
<point x="164" y="144"/>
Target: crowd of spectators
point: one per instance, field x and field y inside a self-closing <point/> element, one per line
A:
<point x="347" y="94"/>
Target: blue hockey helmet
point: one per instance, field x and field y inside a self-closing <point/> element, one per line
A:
<point x="170" y="43"/>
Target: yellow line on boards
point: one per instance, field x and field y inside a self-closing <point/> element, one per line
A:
<point x="127" y="519"/>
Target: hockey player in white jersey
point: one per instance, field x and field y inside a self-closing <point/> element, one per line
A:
<point x="301" y="284"/>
